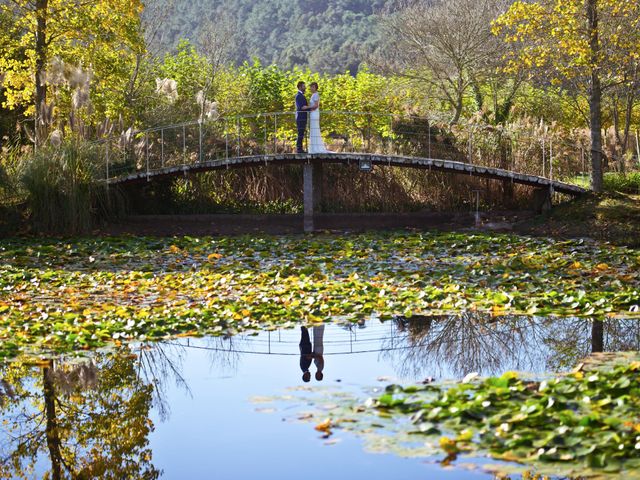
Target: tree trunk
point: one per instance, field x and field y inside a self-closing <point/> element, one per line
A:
<point x="597" y="336"/>
<point x="457" y="110"/>
<point x="41" y="62"/>
<point x="595" y="97"/>
<point x="53" y="437"/>
<point x="628" y="116"/>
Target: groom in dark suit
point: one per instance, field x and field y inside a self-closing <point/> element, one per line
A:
<point x="301" y="115"/>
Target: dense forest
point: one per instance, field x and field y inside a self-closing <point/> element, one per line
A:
<point x="328" y="36"/>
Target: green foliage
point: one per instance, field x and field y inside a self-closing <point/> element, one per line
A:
<point x="132" y="289"/>
<point x="103" y="35"/>
<point x="191" y="71"/>
<point x="619" y="182"/>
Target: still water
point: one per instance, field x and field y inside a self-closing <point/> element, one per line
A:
<point x="194" y="408"/>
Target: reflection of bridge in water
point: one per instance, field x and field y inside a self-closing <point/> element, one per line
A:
<point x="360" y="138"/>
<point x="456" y="344"/>
<point x="338" y="340"/>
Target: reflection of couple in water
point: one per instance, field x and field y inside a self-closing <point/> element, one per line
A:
<point x="309" y="353"/>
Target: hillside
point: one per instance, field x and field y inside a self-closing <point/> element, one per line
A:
<point x="326" y="35"/>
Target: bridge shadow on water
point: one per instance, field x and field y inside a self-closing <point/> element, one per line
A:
<point x="285" y="224"/>
<point x="181" y="409"/>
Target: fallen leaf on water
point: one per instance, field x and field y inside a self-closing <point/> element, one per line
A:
<point x="324" y="426"/>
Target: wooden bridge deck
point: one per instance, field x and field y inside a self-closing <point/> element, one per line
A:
<point x="354" y="158"/>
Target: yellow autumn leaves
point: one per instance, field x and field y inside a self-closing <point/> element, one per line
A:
<point x="551" y="35"/>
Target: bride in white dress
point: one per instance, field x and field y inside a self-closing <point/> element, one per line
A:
<point x="316" y="145"/>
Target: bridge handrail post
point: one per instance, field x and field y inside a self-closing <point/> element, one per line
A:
<point x="238" y="146"/>
<point x="429" y="137"/>
<point x="226" y="140"/>
<point x="391" y="145"/>
<point x="368" y="147"/>
<point x="107" y="161"/>
<point x="265" y="136"/>
<point x="551" y="159"/>
<point x="544" y="154"/>
<point x="162" y="147"/>
<point x="200" y="141"/>
<point x="351" y="129"/>
<point x="146" y="141"/>
<point x="275" y="134"/>
<point x="184" y="144"/>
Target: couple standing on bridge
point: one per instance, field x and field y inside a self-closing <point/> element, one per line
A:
<point x="304" y="109"/>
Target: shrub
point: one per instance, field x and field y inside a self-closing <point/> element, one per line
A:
<point x="619" y="182"/>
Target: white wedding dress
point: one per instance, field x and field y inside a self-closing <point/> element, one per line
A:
<point x="316" y="145"/>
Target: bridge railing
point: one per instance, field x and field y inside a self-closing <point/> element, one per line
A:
<point x="274" y="133"/>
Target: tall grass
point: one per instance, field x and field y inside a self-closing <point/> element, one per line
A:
<point x="10" y="162"/>
<point x="61" y="192"/>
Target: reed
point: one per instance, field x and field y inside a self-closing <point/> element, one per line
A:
<point x="61" y="192"/>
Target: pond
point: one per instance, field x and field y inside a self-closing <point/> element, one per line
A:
<point x="238" y="407"/>
<point x="130" y="357"/>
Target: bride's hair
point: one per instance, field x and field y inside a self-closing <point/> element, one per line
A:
<point x="314" y="84"/>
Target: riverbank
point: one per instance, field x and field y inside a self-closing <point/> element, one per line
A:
<point x="611" y="217"/>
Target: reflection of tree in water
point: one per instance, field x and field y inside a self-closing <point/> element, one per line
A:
<point x="572" y="339"/>
<point x="224" y="353"/>
<point x="465" y="343"/>
<point x="158" y="363"/>
<point x="161" y="362"/>
<point x="91" y="419"/>
<point x="490" y="345"/>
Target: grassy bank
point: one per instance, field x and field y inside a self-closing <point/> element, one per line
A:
<point x="612" y="217"/>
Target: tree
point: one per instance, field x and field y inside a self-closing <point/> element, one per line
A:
<point x="584" y="44"/>
<point x="103" y="36"/>
<point x="216" y="41"/>
<point x="449" y="47"/>
<point x="192" y="72"/>
<point x="624" y="98"/>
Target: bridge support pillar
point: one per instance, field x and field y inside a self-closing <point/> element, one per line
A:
<point x="312" y="187"/>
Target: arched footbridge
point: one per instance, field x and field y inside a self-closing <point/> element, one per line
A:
<point x="364" y="160"/>
<point x="353" y="138"/>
